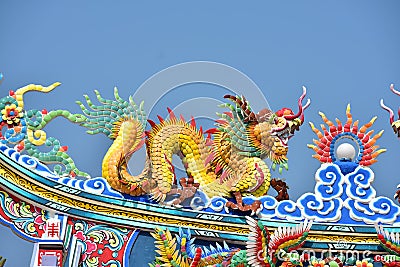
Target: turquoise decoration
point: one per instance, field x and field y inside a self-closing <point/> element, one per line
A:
<point x="100" y="224"/>
<point x="101" y="119"/>
<point x="384" y="210"/>
<point x="23" y="129"/>
<point x="237" y="129"/>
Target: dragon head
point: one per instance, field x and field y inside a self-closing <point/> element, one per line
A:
<point x="272" y="131"/>
<point x="262" y="134"/>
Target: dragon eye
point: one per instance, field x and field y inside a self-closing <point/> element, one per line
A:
<point x="280" y="121"/>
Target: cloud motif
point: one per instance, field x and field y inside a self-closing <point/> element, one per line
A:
<point x="289" y="210"/>
<point x="362" y="203"/>
<point x="379" y="210"/>
<point x="269" y="205"/>
<point x="217" y="204"/>
<point x="319" y="209"/>
<point x="28" y="162"/>
<point x="98" y="186"/>
<point x="359" y="185"/>
<point x="333" y="192"/>
<point x="329" y="182"/>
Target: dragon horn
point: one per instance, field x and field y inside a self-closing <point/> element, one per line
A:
<point x="247" y="109"/>
<point x="301" y="107"/>
<point x="234" y="99"/>
<point x="394" y="90"/>
<point x="242" y="103"/>
<point x="391" y="113"/>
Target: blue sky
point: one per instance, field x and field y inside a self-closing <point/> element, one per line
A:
<point x="342" y="51"/>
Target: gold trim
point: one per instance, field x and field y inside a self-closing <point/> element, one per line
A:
<point x="342" y="239"/>
<point x="72" y="201"/>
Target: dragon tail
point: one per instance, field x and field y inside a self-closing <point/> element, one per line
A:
<point x="123" y="122"/>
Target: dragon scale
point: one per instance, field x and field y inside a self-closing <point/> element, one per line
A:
<point x="128" y="138"/>
<point x="229" y="160"/>
<point x="177" y="137"/>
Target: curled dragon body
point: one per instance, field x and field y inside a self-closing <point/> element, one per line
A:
<point x="223" y="161"/>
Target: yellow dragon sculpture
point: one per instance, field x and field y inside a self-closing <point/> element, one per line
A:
<point x="224" y="161"/>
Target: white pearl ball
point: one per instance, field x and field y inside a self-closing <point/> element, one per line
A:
<point x="346" y="150"/>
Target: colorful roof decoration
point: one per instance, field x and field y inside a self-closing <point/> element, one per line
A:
<point x="77" y="220"/>
<point x="331" y="135"/>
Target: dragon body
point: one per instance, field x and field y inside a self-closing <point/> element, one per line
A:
<point x="223" y="161"/>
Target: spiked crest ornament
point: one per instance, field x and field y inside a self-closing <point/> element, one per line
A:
<point x="329" y="137"/>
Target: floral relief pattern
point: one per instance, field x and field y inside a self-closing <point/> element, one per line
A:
<point x="27" y="219"/>
<point x="12" y="114"/>
<point x="102" y="245"/>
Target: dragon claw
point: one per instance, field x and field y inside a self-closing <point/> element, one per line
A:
<point x="188" y="190"/>
<point x="255" y="207"/>
<point x="280" y="187"/>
